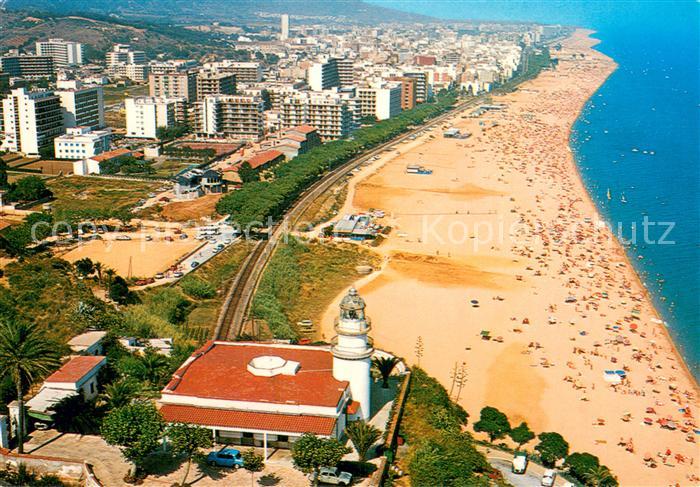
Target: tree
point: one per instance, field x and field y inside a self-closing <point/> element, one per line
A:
<point x="600" y="476"/>
<point x="119" y="290"/>
<point x="136" y="429"/>
<point x="25" y="355"/>
<point x="552" y="447"/>
<point x="73" y="414"/>
<point x="493" y="422"/>
<point x="580" y="464"/>
<point x="3" y="170"/>
<point x="188" y="440"/>
<point x="385" y="366"/>
<point x="29" y="188"/>
<point x="84" y="266"/>
<point x="521" y="434"/>
<point x="120" y="393"/>
<point x="447" y="459"/>
<point x="150" y="367"/>
<point x="363" y="435"/>
<point x="253" y="463"/>
<point x="310" y="453"/>
<point x="247" y="173"/>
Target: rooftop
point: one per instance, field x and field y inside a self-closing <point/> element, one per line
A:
<point x="249" y="420"/>
<point x="219" y="370"/>
<point x="76" y="368"/>
<point x="263" y="158"/>
<point x="86" y="340"/>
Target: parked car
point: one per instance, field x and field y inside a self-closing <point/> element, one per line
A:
<point x="227" y="241"/>
<point x="160" y="275"/>
<point x="183" y="236"/>
<point x="194" y="264"/>
<point x="226" y="457"/>
<point x="331" y="475"/>
<point x="148" y="238"/>
<point x="548" y="478"/>
<point x="123" y="237"/>
<point x="178" y="274"/>
<point x="519" y="463"/>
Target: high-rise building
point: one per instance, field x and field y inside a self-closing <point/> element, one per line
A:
<point x="173" y="85"/>
<point x="81" y="106"/>
<point x="408" y="91"/>
<point x="145" y="114"/>
<point x="134" y="72"/>
<point x="284" y="27"/>
<point x="123" y="54"/>
<point x="246" y="72"/>
<point x="28" y="66"/>
<point x="346" y="71"/>
<point x="323" y="75"/>
<point x="332" y="113"/>
<point x="422" y="86"/>
<point x="215" y="83"/>
<point x="382" y="101"/>
<point x="230" y="116"/>
<point x="31" y="121"/>
<point x="64" y="53"/>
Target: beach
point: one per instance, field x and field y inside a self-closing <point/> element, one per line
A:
<point x="498" y="261"/>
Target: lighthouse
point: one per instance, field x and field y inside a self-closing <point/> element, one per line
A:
<point x="352" y="349"/>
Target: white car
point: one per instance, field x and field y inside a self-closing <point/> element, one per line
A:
<point x="548" y="478"/>
<point x="331" y="475"/>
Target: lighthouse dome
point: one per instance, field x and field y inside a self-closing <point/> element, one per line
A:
<point x="352" y="300"/>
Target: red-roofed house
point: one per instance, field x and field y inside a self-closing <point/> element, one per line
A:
<point x="268" y="394"/>
<point x="263" y="160"/>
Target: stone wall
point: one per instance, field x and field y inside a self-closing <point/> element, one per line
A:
<point x="71" y="470"/>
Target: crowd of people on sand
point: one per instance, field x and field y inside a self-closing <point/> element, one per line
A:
<point x="525" y="143"/>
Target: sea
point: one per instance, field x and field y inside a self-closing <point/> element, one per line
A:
<point x="637" y="139"/>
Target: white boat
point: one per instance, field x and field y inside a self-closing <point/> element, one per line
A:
<point x="609" y="197"/>
<point x="623" y="199"/>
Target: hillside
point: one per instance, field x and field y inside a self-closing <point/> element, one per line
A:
<point x="222" y="10"/>
<point x="20" y="30"/>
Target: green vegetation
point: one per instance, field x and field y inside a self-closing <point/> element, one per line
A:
<point x="79" y="198"/>
<point x="17" y="239"/>
<point x="126" y="165"/>
<point x="439" y="452"/>
<point x="25" y="356"/>
<point x="363" y="435"/>
<point x="24" y="476"/>
<point x="165" y="134"/>
<point x="385" y="366"/>
<point x="256" y="201"/>
<point x="492" y="422"/>
<point x="301" y="280"/>
<point x="115" y="94"/>
<point x="310" y="453"/>
<point x="552" y="447"/>
<point x="253" y="463"/>
<point x="30" y="188"/>
<point x="188" y="441"/>
<point x="136" y="429"/>
<point x="521" y="434"/>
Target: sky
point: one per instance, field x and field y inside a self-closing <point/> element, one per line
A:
<point x="591" y="13"/>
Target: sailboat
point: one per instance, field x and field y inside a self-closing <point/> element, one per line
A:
<point x="623" y="199"/>
<point x="609" y="197"/>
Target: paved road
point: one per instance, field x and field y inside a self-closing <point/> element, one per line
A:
<point x="531" y="478"/>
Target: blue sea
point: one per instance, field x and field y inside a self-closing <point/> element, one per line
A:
<point x="638" y="137"/>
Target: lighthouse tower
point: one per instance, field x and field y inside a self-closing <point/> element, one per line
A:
<point x="352" y="349"/>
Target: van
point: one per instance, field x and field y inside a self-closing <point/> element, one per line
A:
<point x="519" y="463"/>
<point x="548" y="478"/>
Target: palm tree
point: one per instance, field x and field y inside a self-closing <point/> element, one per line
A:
<point x="599" y="476"/>
<point x="385" y="366"/>
<point x="98" y="269"/>
<point x="120" y="393"/>
<point x="363" y="435"/>
<point x="25" y="354"/>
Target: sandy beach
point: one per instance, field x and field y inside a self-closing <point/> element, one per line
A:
<point x="503" y="238"/>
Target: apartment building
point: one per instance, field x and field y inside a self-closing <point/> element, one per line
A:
<point x="173" y="85"/>
<point x="238" y="117"/>
<point x="81" y="143"/>
<point x="323" y="75"/>
<point x="123" y="54"/>
<point x="26" y="66"/>
<point x="284" y="27"/>
<point x="81" y="106"/>
<point x="145" y="114"/>
<point x="215" y="83"/>
<point x="422" y="85"/>
<point x="246" y="72"/>
<point x="381" y="101"/>
<point x="332" y="113"/>
<point x="346" y="71"/>
<point x="135" y="72"/>
<point x="31" y="121"/>
<point x="64" y="53"/>
<point x="171" y="66"/>
<point x="408" y="91"/>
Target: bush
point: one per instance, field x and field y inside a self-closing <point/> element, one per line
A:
<point x="449" y="459"/>
<point x="197" y="288"/>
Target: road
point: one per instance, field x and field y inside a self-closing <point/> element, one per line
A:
<point x="531" y="478"/>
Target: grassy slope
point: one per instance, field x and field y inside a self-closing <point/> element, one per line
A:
<point x="82" y="193"/>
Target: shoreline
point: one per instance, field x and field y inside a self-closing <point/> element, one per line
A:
<point x="517" y="165"/>
<point x="647" y="294"/>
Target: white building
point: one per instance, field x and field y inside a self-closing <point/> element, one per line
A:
<point x="230" y="116"/>
<point x="81" y="106"/>
<point x="88" y="343"/>
<point x="246" y="72"/>
<point x="268" y="395"/>
<point x="332" y="113"/>
<point x="135" y="72"/>
<point x="323" y="75"/>
<point x="31" y="120"/>
<point x="284" y="27"/>
<point x="64" y="53"/>
<point x="81" y="143"/>
<point x="123" y="54"/>
<point x="145" y="114"/>
<point x="382" y="101"/>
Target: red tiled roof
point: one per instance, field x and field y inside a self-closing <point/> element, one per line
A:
<point x="111" y="155"/>
<point x="248" y="420"/>
<point x="296" y="138"/>
<point x="304" y="129"/>
<point x="353" y="407"/>
<point x="76" y="368"/>
<point x="263" y="158"/>
<point x="219" y="370"/>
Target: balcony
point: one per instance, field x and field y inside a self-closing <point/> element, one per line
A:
<point x="351" y="354"/>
